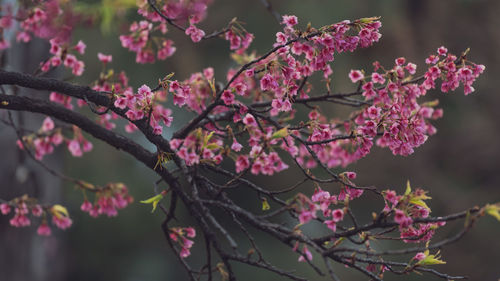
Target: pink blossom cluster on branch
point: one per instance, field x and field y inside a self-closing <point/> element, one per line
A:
<point x="263" y="119"/>
<point x="24" y="205"/>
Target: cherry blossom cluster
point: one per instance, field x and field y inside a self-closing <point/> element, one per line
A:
<point x="193" y="92"/>
<point x="320" y="201"/>
<point x="178" y="10"/>
<point x="108" y="200"/>
<point x="406" y="209"/>
<point x="61" y="56"/>
<point x="48" y="136"/>
<point x="278" y="77"/>
<point x="306" y="253"/>
<point x="143" y="104"/>
<point x="298" y="60"/>
<point x="181" y="235"/>
<point x="252" y="119"/>
<point x="79" y="144"/>
<point x="45" y="19"/>
<point x="24" y="206"/>
<point x="239" y="39"/>
<point x="262" y="162"/>
<point x="44" y="140"/>
<point x="198" y="147"/>
<point x="141" y="41"/>
<point x="395" y="118"/>
<point x="453" y="71"/>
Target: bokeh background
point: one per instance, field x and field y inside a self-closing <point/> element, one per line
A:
<point x="460" y="166"/>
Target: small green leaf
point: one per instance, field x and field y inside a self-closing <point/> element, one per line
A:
<point x="59" y="211"/>
<point x="419" y="202"/>
<point x="153" y="200"/>
<point x="408" y="188"/>
<point x="212" y="146"/>
<point x="265" y="205"/>
<point x="493" y="210"/>
<point x="431" y="259"/>
<point x="368" y="20"/>
<point x="280" y="134"/>
<point x="170" y="75"/>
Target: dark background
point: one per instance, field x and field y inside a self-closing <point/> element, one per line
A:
<point x="459" y="166"/>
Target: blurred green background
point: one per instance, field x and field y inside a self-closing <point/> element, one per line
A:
<point x="460" y="166"/>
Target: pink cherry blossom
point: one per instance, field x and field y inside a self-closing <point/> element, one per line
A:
<point x="104" y="58"/>
<point x="44" y="230"/>
<point x="356" y="75"/>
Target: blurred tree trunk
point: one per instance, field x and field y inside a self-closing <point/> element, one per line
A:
<point x="25" y="255"/>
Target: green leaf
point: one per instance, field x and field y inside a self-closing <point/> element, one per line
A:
<point x="280" y="134"/>
<point x="419" y="202"/>
<point x="208" y="137"/>
<point x="59" y="211"/>
<point x="493" y="210"/>
<point x="408" y="188"/>
<point x="431" y="259"/>
<point x="212" y="146"/>
<point x="265" y="205"/>
<point x="153" y="200"/>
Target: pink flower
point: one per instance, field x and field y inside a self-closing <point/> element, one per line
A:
<point x="267" y="82"/>
<point x="420" y="256"/>
<point x="185" y="251"/>
<point x="242" y="163"/>
<point x="20" y="220"/>
<point x="400" y="61"/>
<point x="195" y="33"/>
<point x="94" y="212"/>
<point x="390" y="196"/>
<point x="356" y="75"/>
<point x="104" y="58"/>
<point x="44" y="230"/>
<point x="70" y="60"/>
<point x="306" y="253"/>
<point x="442" y="51"/>
<point x="351" y="175"/>
<point x="87" y="146"/>
<point x="54" y="47"/>
<point x="402" y="219"/>
<point x="227" y="97"/>
<point x="86" y="206"/>
<point x="74" y="148"/>
<point x="37" y="210"/>
<point x="290" y="21"/>
<point x="190" y="232"/>
<point x="20" y="37"/>
<point x="121" y="102"/>
<point x="47" y="125"/>
<point x="373" y="112"/>
<point x="320" y="195"/>
<point x="80" y="47"/>
<point x="144" y="90"/>
<point x="337" y="215"/>
<point x="5" y="208"/>
<point x="249" y="120"/>
<point x="331" y="224"/>
<point x="157" y="130"/>
<point x="411" y="68"/>
<point x="236" y="146"/>
<point x="62" y="222"/>
<point x="378" y="78"/>
<point x="78" y="68"/>
<point x="306" y="215"/>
